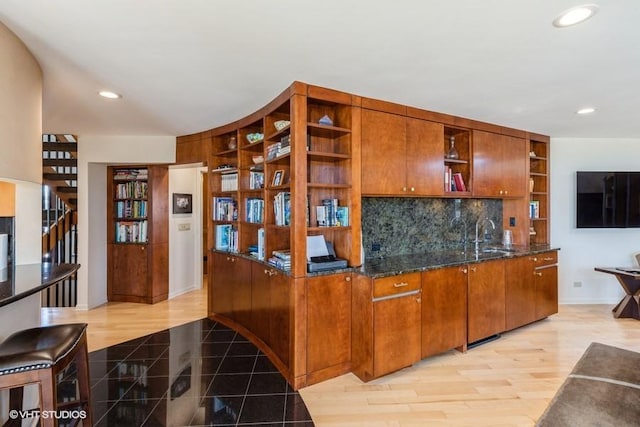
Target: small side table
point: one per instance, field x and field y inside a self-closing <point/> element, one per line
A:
<point x="629" y="279"/>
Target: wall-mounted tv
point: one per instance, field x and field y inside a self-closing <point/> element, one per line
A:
<point x="608" y="199"/>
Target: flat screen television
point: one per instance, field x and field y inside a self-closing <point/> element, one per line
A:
<point x="608" y="199"/>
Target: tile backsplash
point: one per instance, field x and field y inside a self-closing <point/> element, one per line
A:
<point x="400" y="226"/>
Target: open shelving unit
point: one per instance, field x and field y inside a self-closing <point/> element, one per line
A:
<point x="461" y="165"/>
<point x="539" y="190"/>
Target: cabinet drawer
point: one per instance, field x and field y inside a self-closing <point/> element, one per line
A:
<point x="396" y="284"/>
<point x="544" y="259"/>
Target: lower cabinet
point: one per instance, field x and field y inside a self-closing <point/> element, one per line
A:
<point x="444" y="310"/>
<point x="386" y="324"/>
<point x="486" y="300"/>
<point x="531" y="288"/>
<point x="328" y="326"/>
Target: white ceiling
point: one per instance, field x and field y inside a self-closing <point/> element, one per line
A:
<point x="184" y="66"/>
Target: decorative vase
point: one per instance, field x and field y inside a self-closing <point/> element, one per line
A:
<point x="531" y="184"/>
<point x="453" y="153"/>
<point x="232" y="143"/>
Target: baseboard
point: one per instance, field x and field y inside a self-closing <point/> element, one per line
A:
<point x="183" y="291"/>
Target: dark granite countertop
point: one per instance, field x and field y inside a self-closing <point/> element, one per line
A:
<point x="394" y="265"/>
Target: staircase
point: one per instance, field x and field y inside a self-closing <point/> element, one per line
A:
<point x="59" y="218"/>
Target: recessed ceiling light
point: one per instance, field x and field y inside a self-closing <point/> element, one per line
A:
<point x="587" y="110"/>
<point x="109" y="94"/>
<point x="575" y="15"/>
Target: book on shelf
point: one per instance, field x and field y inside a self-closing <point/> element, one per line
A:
<point x="256" y="180"/>
<point x="229" y="182"/>
<point x="131" y="231"/>
<point x="281" y="259"/>
<point x="326" y="214"/>
<point x="131" y="209"/>
<point x="132" y="190"/>
<point x="459" y="181"/>
<point x="282" y="208"/>
<point x="224" y="209"/>
<point x="254" y="209"/>
<point x="261" y="244"/>
<point x="342" y="216"/>
<point x="226" y="238"/>
<point x="534" y="209"/>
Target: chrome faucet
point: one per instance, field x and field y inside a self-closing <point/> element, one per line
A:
<point x="478" y="222"/>
<point x="463" y="235"/>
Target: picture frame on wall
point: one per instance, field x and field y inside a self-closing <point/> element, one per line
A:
<point x="182" y="203"/>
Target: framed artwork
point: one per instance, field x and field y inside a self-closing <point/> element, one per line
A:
<point x="278" y="178"/>
<point x="182" y="203"/>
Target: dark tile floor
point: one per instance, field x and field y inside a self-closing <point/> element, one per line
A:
<point x="198" y="374"/>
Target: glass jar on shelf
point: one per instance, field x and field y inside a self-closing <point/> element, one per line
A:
<point x="452" y="153"/>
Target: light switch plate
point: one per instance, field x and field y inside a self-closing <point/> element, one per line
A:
<point x="184" y="227"/>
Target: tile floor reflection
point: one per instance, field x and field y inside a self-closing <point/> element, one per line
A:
<point x="198" y="374"/>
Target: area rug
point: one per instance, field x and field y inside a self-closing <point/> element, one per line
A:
<point x="602" y="390"/>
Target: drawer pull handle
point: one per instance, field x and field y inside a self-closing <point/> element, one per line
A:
<point x="537" y="273"/>
<point x="348" y="279"/>
<point x="464" y="270"/>
<point x="400" y="285"/>
<point x="534" y="259"/>
<point x="547" y="259"/>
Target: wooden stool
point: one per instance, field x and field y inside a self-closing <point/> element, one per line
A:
<point x="38" y="355"/>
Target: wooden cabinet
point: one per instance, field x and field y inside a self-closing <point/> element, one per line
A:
<point x="400" y="155"/>
<point x="531" y="284"/>
<point x="230" y="288"/>
<point x="444" y="310"/>
<point x="328" y="326"/>
<point x="386" y="324"/>
<point x="138" y="234"/>
<point x="279" y="315"/>
<point x="486" y="300"/>
<point x="499" y="165"/>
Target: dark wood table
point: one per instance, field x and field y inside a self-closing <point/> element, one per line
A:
<point x="629" y="278"/>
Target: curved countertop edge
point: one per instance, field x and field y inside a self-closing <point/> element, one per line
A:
<point x="402" y="264"/>
<point x="50" y="275"/>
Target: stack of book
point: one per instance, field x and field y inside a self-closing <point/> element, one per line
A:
<point x="282" y="208"/>
<point x="534" y="209"/>
<point x="254" y="208"/>
<point x="281" y="259"/>
<point x="279" y="148"/>
<point x="130" y="174"/>
<point x="453" y="181"/>
<point x="224" y="209"/>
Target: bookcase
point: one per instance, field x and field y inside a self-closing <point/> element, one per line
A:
<point x="539" y="189"/>
<point x="457" y="179"/>
<point x="137" y="233"/>
<point x="288" y="171"/>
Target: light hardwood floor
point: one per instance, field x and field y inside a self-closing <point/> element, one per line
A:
<point x="507" y="382"/>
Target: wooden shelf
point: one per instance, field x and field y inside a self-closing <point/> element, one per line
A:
<point x="325" y="131"/>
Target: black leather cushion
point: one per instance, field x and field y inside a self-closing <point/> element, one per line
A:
<point x="38" y="348"/>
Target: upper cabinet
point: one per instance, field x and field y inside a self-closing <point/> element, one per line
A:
<point x="499" y="165"/>
<point x="401" y="156"/>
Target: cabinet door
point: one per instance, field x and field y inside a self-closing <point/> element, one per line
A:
<point x="444" y="310"/>
<point x="279" y="311"/>
<point x="128" y="270"/>
<point x="546" y="286"/>
<point x="487" y="164"/>
<point x="383" y="153"/>
<point x="328" y="321"/>
<point x="219" y="282"/>
<point x="396" y="325"/>
<point x="514" y="163"/>
<point x="486" y="303"/>
<point x="239" y="283"/>
<point x="520" y="301"/>
<point x="260" y="300"/>
<point x="425" y="153"/>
